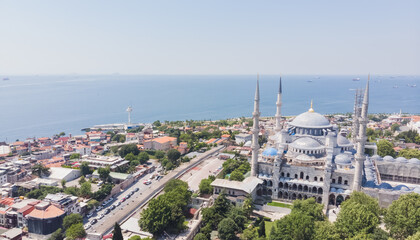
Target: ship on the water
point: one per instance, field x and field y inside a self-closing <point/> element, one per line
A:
<point x="356" y="79"/>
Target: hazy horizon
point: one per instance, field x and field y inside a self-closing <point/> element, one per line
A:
<point x="209" y="38"/>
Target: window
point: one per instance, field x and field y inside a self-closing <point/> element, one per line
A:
<point x="296" y="176"/>
<point x="315" y="179"/>
<point x="346" y="182"/>
<point x="321" y="179"/>
<point x="288" y="174"/>
<point x="307" y="177"/>
<point x="333" y="180"/>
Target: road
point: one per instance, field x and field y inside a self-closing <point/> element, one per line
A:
<point x="141" y="197"/>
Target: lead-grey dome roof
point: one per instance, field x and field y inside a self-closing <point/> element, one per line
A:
<point x="342" y="159"/>
<point x="306" y="143"/>
<point x="341" y="141"/>
<point x="414" y="161"/>
<point x="310" y="120"/>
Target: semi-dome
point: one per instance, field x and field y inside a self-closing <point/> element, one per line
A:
<point x="341" y="141"/>
<point x="310" y="120"/>
<point x="414" y="161"/>
<point x="401" y="160"/>
<point x="269" y="152"/>
<point x="385" y="185"/>
<point x="342" y="159"/>
<point x="376" y="157"/>
<point x="389" y="159"/>
<point x="306" y="143"/>
<point x="333" y="190"/>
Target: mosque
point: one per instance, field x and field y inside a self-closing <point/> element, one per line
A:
<point x="308" y="158"/>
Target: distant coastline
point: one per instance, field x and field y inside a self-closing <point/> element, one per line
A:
<point x="44" y="105"/>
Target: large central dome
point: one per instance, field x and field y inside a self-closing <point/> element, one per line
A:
<point x="310" y="119"/>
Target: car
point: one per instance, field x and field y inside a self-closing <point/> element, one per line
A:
<point x="159" y="177"/>
<point x="112" y="207"/>
<point x="123" y="200"/>
<point x="89" y="215"/>
<point x="147" y="182"/>
<point x="128" y="196"/>
<point x="118" y="204"/>
<point x="137" y="189"/>
<point x="111" y="199"/>
<point x="87" y="226"/>
<point x="99" y="208"/>
<point x="101" y="216"/>
<point x="93" y="221"/>
<point x="107" y="211"/>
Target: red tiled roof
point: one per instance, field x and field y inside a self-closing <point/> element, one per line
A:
<point x="50" y="212"/>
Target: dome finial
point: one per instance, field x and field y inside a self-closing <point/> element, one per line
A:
<point x="311" y="109"/>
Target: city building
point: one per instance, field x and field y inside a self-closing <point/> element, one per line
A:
<point x="45" y="218"/>
<point x="104" y="161"/>
<point x="161" y="143"/>
<point x="242" y="138"/>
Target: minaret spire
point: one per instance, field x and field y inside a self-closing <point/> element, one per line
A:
<point x="278" y="112"/>
<point x="361" y="140"/>
<point x="255" y="130"/>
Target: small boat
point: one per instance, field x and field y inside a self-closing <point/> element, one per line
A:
<point x="356" y="79"/>
<point x="309" y="81"/>
<point x="395" y="86"/>
<point x="5" y="79"/>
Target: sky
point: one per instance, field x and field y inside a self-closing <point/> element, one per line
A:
<point x="209" y="37"/>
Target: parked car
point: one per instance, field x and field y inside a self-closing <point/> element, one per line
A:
<point x="93" y="221"/>
<point x="99" y="208"/>
<point x="89" y="215"/>
<point x="107" y="211"/>
<point x="137" y="189"/>
<point x="113" y="207"/>
<point x="87" y="226"/>
<point x="101" y="216"/>
<point x="118" y="204"/>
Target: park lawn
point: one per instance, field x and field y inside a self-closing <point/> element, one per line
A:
<point x="277" y="204"/>
<point x="268" y="226"/>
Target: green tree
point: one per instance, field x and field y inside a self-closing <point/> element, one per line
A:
<point x="63" y="183"/>
<point x="175" y="184"/>
<point x="75" y="231"/>
<point x="84" y="169"/>
<point x="310" y="207"/>
<point x="410" y="136"/>
<point x="103" y="173"/>
<point x="82" y="180"/>
<point x="227" y="229"/>
<point x="385" y="148"/>
<point x="409" y="153"/>
<point x="86" y="189"/>
<point x="261" y="228"/>
<point x="205" y="187"/>
<point x="135" y="238"/>
<point x="200" y="236"/>
<point x="75" y="156"/>
<point x="249" y="234"/>
<point x="72" y="219"/>
<point x="117" y="234"/>
<point x="118" y="138"/>
<point x="173" y="155"/>
<point x="40" y="170"/>
<point x="402" y="218"/>
<point x="359" y="214"/>
<point x="130" y="157"/>
<point x="237" y="176"/>
<point x="57" y="235"/>
<point x="159" y="154"/>
<point x="128" y="148"/>
<point x="238" y="215"/>
<point x="143" y="157"/>
<point x="395" y="127"/>
<point x="294" y="227"/>
<point x="248" y="205"/>
<point x="157" y="123"/>
<point x="416" y="236"/>
<point x="324" y="230"/>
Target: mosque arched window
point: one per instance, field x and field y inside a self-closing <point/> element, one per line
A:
<point x="282" y="174"/>
<point x="346" y="182"/>
<point x="321" y="179"/>
<point x="307" y="177"/>
<point x="296" y="176"/>
<point x="340" y="180"/>
<point x="333" y="180"/>
<point x="301" y="175"/>
<point x="315" y="179"/>
<point x="288" y="175"/>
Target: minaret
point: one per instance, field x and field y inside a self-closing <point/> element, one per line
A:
<point x="361" y="141"/>
<point x="255" y="131"/>
<point x="278" y="112"/>
<point x="356" y="115"/>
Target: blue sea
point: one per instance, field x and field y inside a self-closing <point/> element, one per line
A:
<point x="44" y="105"/>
